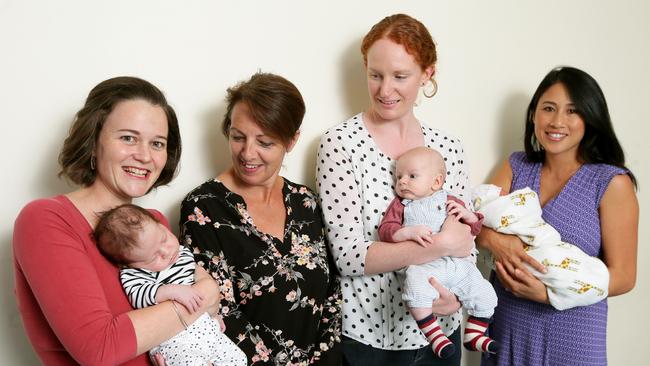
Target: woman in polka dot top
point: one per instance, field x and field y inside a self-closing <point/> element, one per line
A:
<point x="356" y="162"/>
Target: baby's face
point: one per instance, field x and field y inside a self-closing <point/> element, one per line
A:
<point x="416" y="178"/>
<point x="157" y="248"/>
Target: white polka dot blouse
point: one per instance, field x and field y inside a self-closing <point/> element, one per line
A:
<point x="356" y="184"/>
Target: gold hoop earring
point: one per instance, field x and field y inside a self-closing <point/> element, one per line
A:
<point x="434" y="89"/>
<point x="92" y="163"/>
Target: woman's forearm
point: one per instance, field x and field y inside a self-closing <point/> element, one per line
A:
<point x="453" y="240"/>
<point x="387" y="257"/>
<point x="154" y="325"/>
<point x="487" y="238"/>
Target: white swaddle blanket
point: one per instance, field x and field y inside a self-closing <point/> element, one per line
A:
<point x="573" y="277"/>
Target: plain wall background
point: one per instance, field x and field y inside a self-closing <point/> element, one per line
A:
<point x="492" y="55"/>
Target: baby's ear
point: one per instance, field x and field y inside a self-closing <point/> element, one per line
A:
<point x="438" y="181"/>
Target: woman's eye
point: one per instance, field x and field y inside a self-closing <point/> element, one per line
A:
<point x="128" y="138"/>
<point x="412" y="176"/>
<point x="374" y="76"/>
<point x="572" y="111"/>
<point x="400" y="77"/>
<point x="158" y="145"/>
<point x="237" y="138"/>
<point x="547" y="109"/>
<point x="266" y="144"/>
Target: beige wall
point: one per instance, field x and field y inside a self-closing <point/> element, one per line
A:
<point x="492" y="56"/>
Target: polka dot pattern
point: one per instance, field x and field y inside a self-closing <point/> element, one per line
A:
<point x="356" y="185"/>
<point x="202" y="343"/>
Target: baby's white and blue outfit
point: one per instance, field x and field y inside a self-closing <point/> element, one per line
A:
<point x="202" y="343"/>
<point x="459" y="275"/>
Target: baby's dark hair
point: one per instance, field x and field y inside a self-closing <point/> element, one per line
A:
<point x="118" y="229"/>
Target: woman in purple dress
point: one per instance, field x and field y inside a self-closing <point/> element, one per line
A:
<point x="576" y="165"/>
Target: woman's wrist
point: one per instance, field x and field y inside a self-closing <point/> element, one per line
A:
<point x="178" y="313"/>
<point x="209" y="288"/>
<point x="545" y="298"/>
<point x="488" y="239"/>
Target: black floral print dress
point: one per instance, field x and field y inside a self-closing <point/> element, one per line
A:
<point x="280" y="299"/>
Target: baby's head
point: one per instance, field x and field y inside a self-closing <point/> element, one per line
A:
<point x="131" y="236"/>
<point x="419" y="173"/>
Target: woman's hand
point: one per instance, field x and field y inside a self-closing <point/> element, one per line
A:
<point x="522" y="284"/>
<point x="222" y="325"/>
<point x="455" y="237"/>
<point x="157" y="359"/>
<point x="187" y="296"/>
<point x="209" y="288"/>
<point x="509" y="252"/>
<point x="447" y="303"/>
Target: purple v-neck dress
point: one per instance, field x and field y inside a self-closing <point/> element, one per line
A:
<point x="531" y="333"/>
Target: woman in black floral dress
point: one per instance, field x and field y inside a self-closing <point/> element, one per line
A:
<point x="261" y="236"/>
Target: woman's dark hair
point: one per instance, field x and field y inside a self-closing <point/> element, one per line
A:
<point x="599" y="144"/>
<point x="118" y="229"/>
<point x="274" y="103"/>
<point x="79" y="147"/>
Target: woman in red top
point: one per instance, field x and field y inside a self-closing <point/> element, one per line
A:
<point x="123" y="142"/>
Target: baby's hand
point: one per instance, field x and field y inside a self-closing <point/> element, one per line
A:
<point x="420" y="234"/>
<point x="184" y="294"/>
<point x="460" y="212"/>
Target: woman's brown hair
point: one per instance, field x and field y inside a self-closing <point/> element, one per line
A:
<point x="274" y="103"/>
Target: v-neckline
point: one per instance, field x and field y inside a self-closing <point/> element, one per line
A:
<point x="249" y="219"/>
<point x="538" y="185"/>
<point x="79" y="214"/>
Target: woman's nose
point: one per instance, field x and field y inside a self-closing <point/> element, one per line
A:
<point x="248" y="150"/>
<point x="142" y="153"/>
<point x="557" y="120"/>
<point x="385" y="88"/>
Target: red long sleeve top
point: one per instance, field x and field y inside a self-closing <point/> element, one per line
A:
<point x="69" y="296"/>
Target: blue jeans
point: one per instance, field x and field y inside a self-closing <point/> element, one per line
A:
<point x="359" y="354"/>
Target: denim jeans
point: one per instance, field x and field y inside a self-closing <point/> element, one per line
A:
<point x="359" y="354"/>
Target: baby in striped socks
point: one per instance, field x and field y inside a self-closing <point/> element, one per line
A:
<point x="417" y="214"/>
<point x="156" y="268"/>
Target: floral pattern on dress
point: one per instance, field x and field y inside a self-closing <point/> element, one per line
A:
<point x="280" y="300"/>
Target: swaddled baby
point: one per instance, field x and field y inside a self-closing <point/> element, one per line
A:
<point x="573" y="278"/>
